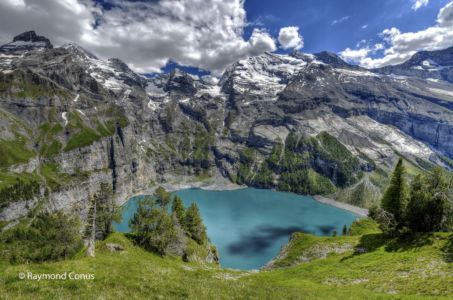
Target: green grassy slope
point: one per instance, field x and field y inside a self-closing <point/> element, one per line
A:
<point x="313" y="268"/>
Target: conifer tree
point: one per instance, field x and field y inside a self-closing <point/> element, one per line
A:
<point x="153" y="227"/>
<point x="429" y="208"/>
<point x="162" y="197"/>
<point x="103" y="211"/>
<point x="194" y="224"/>
<point x="178" y="210"/>
<point x="345" y="230"/>
<point x="396" y="196"/>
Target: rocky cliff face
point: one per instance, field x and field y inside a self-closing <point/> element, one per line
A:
<point x="299" y="122"/>
<point x="432" y="65"/>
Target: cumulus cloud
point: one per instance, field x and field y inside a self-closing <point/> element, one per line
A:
<point x="354" y="55"/>
<point x="399" y="46"/>
<point x="416" y="4"/>
<point x="289" y="38"/>
<point x="207" y="34"/>
<point x="358" y="55"/>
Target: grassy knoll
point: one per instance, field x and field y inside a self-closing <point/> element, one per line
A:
<point x="351" y="267"/>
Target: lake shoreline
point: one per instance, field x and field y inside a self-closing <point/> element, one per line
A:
<point x="223" y="184"/>
<point x="362" y="212"/>
<point x="216" y="184"/>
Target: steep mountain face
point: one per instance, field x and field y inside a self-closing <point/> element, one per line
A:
<point x="300" y="122"/>
<point x="25" y="42"/>
<point x="433" y="65"/>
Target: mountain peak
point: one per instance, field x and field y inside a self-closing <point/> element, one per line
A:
<point x="436" y="64"/>
<point x="26" y="41"/>
<point x="78" y="50"/>
<point x="331" y="58"/>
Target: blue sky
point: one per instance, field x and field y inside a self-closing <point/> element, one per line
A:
<point x="315" y="17"/>
<point x="154" y="36"/>
<point x="334" y="25"/>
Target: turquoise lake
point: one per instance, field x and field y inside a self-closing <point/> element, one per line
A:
<point x="249" y="226"/>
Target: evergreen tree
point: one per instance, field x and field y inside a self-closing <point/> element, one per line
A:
<point x="153" y="227"/>
<point x="49" y="236"/>
<point x="334" y="233"/>
<point x="396" y="196"/>
<point x="194" y="224"/>
<point x="103" y="211"/>
<point x="162" y="197"/>
<point x="178" y="210"/>
<point x="415" y="211"/>
<point x="429" y="208"/>
<point x="345" y="230"/>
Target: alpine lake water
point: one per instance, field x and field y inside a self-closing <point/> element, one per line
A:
<point x="249" y="226"/>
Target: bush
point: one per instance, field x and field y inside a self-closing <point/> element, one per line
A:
<point x="50" y="236"/>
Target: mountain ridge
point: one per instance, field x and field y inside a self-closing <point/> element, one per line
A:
<point x="271" y="121"/>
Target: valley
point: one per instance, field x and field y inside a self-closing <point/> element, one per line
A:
<point x="80" y="136"/>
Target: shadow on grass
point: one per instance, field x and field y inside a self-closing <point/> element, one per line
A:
<point x="409" y="241"/>
<point x="448" y="249"/>
<point x="405" y="242"/>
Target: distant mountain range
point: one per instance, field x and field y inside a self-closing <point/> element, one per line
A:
<point x="300" y="122"/>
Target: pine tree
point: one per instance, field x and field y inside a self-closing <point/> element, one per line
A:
<point x="345" y="230"/>
<point x="178" y="210"/>
<point x="429" y="208"/>
<point x="194" y="224"/>
<point x="396" y="196"/>
<point x="162" y="197"/>
<point x="102" y="213"/>
<point x="153" y="227"/>
<point x="415" y="211"/>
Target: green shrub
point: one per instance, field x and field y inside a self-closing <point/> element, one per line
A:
<point x="20" y="190"/>
<point x="49" y="236"/>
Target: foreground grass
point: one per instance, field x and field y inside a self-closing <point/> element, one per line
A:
<point x="381" y="273"/>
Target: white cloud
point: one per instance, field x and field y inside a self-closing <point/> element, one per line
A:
<point x="289" y="38"/>
<point x="17" y="3"/>
<point x="207" y="34"/>
<point x="340" y="20"/>
<point x="416" y="4"/>
<point x="354" y="55"/>
<point x="365" y="26"/>
<point x="401" y="46"/>
<point x="445" y="16"/>
<point x="360" y="54"/>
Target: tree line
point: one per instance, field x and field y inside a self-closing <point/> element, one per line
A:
<point x="20" y="190"/>
<point x="157" y="228"/>
<point x="424" y="205"/>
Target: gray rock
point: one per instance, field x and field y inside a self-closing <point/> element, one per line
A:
<point x="114" y="247"/>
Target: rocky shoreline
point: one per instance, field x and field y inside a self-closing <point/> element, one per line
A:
<point x="362" y="212"/>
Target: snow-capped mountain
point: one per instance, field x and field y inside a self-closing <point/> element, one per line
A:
<point x="431" y="65"/>
<point x="100" y="119"/>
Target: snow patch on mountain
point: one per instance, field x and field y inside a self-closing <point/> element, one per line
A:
<point x="442" y="92"/>
<point x="361" y="134"/>
<point x="264" y="76"/>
